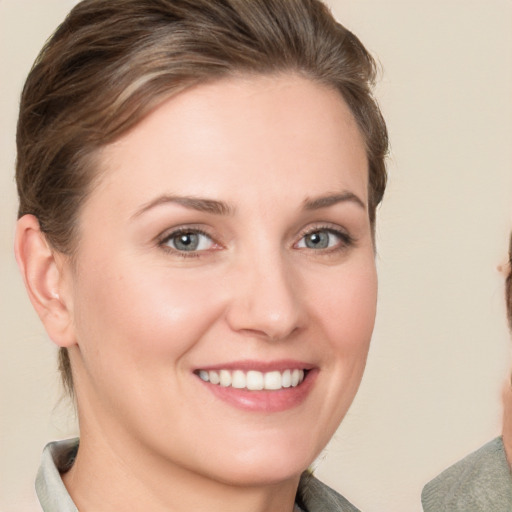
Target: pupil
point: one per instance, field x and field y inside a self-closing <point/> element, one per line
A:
<point x="317" y="240"/>
<point x="186" y="242"/>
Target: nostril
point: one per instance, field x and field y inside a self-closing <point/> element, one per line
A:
<point x="269" y="334"/>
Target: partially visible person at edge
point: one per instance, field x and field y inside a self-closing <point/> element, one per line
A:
<point x="482" y="481"/>
<point x="198" y="184"/>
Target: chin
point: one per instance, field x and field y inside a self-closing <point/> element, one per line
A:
<point x="265" y="465"/>
<point x="255" y="475"/>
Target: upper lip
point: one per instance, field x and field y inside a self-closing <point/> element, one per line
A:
<point x="261" y="366"/>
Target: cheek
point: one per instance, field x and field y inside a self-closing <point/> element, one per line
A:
<point x="346" y="307"/>
<point x="143" y="314"/>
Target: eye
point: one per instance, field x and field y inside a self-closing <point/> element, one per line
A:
<point x="325" y="238"/>
<point x="188" y="241"/>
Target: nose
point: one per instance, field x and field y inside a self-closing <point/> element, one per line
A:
<point x="265" y="300"/>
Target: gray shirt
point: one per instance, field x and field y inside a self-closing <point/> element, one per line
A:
<point x="481" y="482"/>
<point x="58" y="457"/>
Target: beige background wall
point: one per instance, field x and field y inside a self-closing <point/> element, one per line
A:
<point x="440" y="353"/>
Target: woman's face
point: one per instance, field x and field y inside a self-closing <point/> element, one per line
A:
<point x="227" y="240"/>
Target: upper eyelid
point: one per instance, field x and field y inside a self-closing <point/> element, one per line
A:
<point x="346" y="237"/>
<point x="168" y="233"/>
<point x="333" y="228"/>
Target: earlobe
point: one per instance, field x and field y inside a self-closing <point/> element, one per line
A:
<point x="42" y="274"/>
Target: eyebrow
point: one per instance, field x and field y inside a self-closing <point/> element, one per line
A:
<point x="331" y="199"/>
<point x="222" y="208"/>
<point x="193" y="203"/>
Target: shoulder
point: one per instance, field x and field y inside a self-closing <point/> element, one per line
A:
<point x="314" y="496"/>
<point x="479" y="482"/>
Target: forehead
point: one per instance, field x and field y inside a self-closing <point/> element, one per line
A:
<point x="243" y="133"/>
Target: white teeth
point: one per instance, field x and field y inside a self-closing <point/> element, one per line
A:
<point x="295" y="377"/>
<point x="225" y="378"/>
<point x="273" y="380"/>
<point x="214" y="377"/>
<point x="253" y="380"/>
<point x="287" y="378"/>
<point x="238" y="380"/>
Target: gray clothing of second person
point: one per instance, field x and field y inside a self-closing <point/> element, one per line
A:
<point x="481" y="482"/>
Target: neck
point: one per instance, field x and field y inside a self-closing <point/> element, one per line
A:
<point x="113" y="475"/>
<point x="507" y="420"/>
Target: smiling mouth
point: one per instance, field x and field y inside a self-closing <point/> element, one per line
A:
<point x="253" y="380"/>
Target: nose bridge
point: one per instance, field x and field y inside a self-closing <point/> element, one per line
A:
<point x="265" y="299"/>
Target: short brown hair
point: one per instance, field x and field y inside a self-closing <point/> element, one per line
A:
<point x="112" y="61"/>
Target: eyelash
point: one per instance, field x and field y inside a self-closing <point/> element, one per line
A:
<point x="163" y="241"/>
<point x="345" y="241"/>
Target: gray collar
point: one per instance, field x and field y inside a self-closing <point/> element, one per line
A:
<point x="53" y="495"/>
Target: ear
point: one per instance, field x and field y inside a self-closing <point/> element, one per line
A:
<point x="43" y="273"/>
<point x="504" y="268"/>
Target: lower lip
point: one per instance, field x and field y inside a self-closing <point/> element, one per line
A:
<point x="265" y="401"/>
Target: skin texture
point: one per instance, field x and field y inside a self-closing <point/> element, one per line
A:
<point x="506" y="394"/>
<point x="140" y="318"/>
